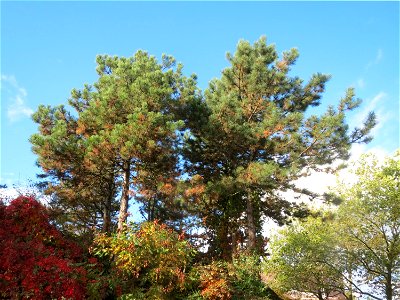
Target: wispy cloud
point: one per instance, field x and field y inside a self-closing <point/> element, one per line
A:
<point x="384" y="114"/>
<point x="361" y="83"/>
<point x="320" y="182"/>
<point x="376" y="60"/>
<point x="17" y="107"/>
<point x="371" y="105"/>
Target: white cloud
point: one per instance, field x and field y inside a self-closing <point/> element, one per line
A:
<point x="361" y="83"/>
<point x="17" y="107"/>
<point x="375" y="104"/>
<point x="320" y="182"/>
<point x="8" y="79"/>
<point x="376" y="60"/>
<point x="357" y="150"/>
<point x="372" y="104"/>
<point x="10" y="193"/>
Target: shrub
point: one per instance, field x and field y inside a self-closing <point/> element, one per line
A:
<point x="36" y="260"/>
<point x="214" y="281"/>
<point x="247" y="277"/>
<point x="149" y="259"/>
<point x="239" y="279"/>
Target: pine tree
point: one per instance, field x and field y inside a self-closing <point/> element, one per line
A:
<point x="257" y="140"/>
<point x="125" y="132"/>
<point x="83" y="196"/>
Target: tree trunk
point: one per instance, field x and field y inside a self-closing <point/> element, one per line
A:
<point x="234" y="243"/>
<point x="349" y="271"/>
<point x="251" y="227"/>
<point x="123" y="210"/>
<point x="107" y="215"/>
<point x="151" y="212"/>
<point x="320" y="295"/>
<point x="388" y="286"/>
<point x="223" y="240"/>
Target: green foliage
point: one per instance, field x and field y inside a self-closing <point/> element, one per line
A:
<point x="369" y="220"/>
<point x="121" y="141"/>
<point x="150" y="259"/>
<point x="247" y="282"/>
<point x="357" y="246"/>
<point x="143" y="131"/>
<point x="302" y="259"/>
<point x="239" y="279"/>
<point x="256" y="139"/>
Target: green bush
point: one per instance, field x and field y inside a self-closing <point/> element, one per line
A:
<point x="148" y="260"/>
<point x="247" y="281"/>
<point x="220" y="280"/>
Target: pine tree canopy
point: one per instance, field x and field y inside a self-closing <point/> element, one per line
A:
<point x="260" y="135"/>
<point x="144" y="131"/>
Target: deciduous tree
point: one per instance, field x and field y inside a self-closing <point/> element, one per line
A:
<point x="354" y="249"/>
<point x="306" y="258"/>
<point x="369" y="221"/>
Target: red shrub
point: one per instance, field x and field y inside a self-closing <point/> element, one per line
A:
<point x="37" y="262"/>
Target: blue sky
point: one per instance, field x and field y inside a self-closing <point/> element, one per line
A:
<point x="49" y="48"/>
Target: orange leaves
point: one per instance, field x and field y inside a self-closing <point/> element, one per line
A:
<point x="167" y="189"/>
<point x="151" y="253"/>
<point x="218" y="289"/>
<point x="141" y="117"/>
<point x="80" y="129"/>
<point x="96" y="151"/>
<point x="276" y="129"/>
<point x="195" y="191"/>
<point x="267" y="133"/>
<point x="108" y="126"/>
<point x="214" y="282"/>
<point x="197" y="186"/>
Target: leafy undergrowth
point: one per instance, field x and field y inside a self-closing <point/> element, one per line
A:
<point x="144" y="261"/>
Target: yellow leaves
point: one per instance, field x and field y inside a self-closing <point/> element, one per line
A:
<point x="196" y="178"/>
<point x="278" y="127"/>
<point x="150" y="253"/>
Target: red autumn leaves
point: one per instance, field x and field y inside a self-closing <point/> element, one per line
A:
<point x="37" y="261"/>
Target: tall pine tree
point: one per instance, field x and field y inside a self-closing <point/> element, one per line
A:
<point x="257" y="140"/>
<point x="124" y="135"/>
